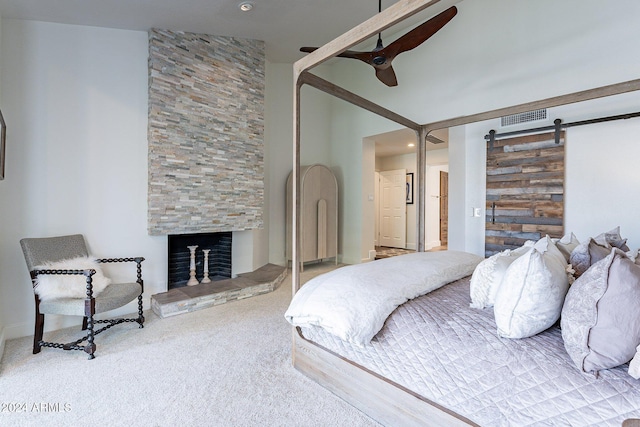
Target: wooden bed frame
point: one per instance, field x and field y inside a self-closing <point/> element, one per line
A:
<point x="383" y="400"/>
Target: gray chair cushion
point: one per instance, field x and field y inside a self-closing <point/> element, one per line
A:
<point x="38" y="251"/>
<point x="114" y="296"/>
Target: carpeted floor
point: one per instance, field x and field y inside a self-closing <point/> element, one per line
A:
<point x="386" y="252"/>
<point x="229" y="365"/>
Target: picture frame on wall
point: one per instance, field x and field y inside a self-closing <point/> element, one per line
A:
<point x="3" y="139"/>
<point x="409" y="191"/>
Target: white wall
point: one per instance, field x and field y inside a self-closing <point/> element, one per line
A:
<point x="75" y="100"/>
<point x="602" y="175"/>
<point x="467" y="178"/>
<point x="370" y="199"/>
<point x="315" y="147"/>
<point x="495" y="53"/>
<point x="278" y="157"/>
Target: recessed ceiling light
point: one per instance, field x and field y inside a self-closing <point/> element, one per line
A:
<point x="245" y="6"/>
<point x="411" y="144"/>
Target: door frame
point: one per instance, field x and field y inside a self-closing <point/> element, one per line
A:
<point x="432" y="205"/>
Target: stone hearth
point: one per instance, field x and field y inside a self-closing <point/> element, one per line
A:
<point x="191" y="298"/>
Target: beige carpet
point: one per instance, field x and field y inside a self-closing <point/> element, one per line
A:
<point x="387" y="252"/>
<point x="228" y="365"/>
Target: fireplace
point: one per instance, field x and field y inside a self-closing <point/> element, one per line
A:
<point x="219" y="257"/>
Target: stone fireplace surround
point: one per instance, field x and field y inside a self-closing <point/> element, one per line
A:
<point x="205" y="133"/>
<point x="206" y="155"/>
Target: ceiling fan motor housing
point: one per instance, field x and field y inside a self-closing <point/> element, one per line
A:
<point x="379" y="59"/>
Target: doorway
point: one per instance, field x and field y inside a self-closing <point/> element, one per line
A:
<point x="437" y="207"/>
<point x="396" y="150"/>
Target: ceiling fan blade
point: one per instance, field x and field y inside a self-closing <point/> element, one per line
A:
<point x="380" y="58"/>
<point x="362" y="56"/>
<point x="387" y="76"/>
<point x="420" y="34"/>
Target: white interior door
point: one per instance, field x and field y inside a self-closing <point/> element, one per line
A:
<point x="393" y="208"/>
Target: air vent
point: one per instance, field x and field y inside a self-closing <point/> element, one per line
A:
<point x="529" y="116"/>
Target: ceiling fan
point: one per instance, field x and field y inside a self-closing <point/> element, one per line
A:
<point x="380" y="57"/>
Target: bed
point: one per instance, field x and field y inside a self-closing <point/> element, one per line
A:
<point x="388" y="397"/>
<point x="439" y="361"/>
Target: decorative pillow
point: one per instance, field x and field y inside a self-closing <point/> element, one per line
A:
<point x="586" y="254"/>
<point x="487" y="276"/>
<point x="600" y="319"/>
<point x="532" y="292"/>
<point x="53" y="286"/>
<point x="567" y="244"/>
<point x="634" y="365"/>
<point x="613" y="239"/>
<point x="633" y="256"/>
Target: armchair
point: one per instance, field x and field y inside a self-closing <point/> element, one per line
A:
<point x="55" y="257"/>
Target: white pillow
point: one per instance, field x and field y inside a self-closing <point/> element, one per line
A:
<point x="634" y="365"/>
<point x="54" y="286"/>
<point x="532" y="291"/>
<point x="633" y="256"/>
<point x="487" y="276"/>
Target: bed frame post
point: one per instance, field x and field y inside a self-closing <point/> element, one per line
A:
<point x="295" y="226"/>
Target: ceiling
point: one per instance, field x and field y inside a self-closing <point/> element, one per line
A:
<point x="284" y="25"/>
<point x="397" y="142"/>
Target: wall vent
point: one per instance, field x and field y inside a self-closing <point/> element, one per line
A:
<point x="529" y="116"/>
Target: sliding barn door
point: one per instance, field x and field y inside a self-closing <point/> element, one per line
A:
<point x="525" y="191"/>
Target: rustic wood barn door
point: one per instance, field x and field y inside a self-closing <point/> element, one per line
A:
<point x="525" y="190"/>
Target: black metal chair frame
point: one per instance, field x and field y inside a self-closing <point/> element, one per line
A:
<point x="89" y="310"/>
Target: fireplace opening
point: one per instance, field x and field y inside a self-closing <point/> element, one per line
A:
<point x="218" y="257"/>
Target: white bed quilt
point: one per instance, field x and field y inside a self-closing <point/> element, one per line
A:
<point x="353" y="302"/>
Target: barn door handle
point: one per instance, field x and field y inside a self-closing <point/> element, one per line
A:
<point x="493" y="213"/>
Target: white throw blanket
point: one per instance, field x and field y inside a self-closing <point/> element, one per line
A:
<point x="353" y="302"/>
